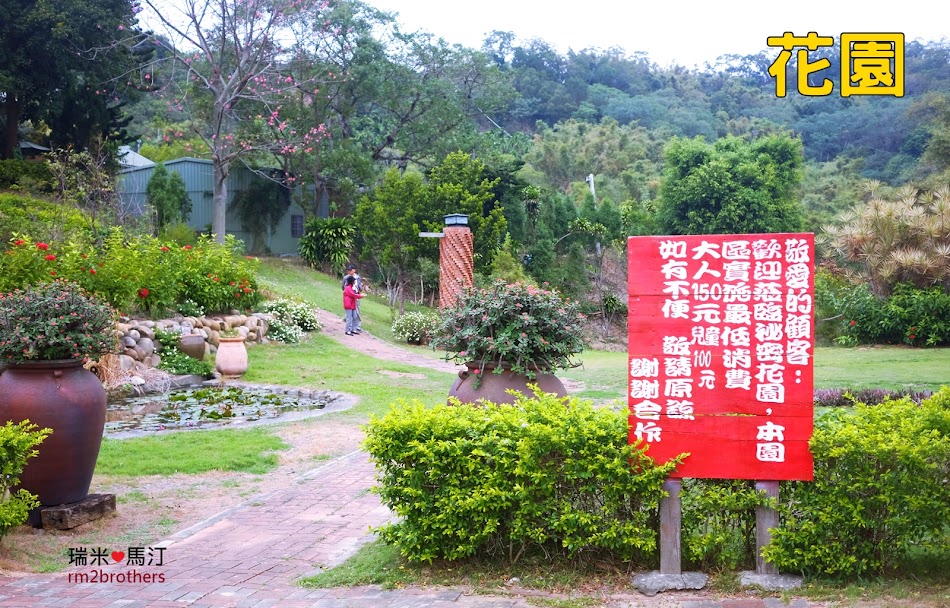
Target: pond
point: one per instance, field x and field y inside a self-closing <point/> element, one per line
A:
<point x="204" y="407"/>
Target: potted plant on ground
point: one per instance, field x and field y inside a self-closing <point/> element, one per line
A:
<point x="231" y="358"/>
<point x="509" y="335"/>
<point x="47" y="332"/>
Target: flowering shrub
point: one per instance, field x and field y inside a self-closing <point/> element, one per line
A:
<point x="282" y="331"/>
<point x="415" y="327"/>
<point x="528" y="328"/>
<point x="56" y="320"/>
<point x="291" y="319"/>
<point x="139" y="273"/>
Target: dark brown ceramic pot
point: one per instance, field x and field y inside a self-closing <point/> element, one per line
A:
<point x="192" y="345"/>
<point x="494" y="387"/>
<point x="70" y="400"/>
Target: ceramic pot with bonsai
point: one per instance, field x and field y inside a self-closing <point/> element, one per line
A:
<point x="48" y="331"/>
<point x="509" y="336"/>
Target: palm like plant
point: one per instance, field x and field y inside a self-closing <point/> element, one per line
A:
<point x="902" y="240"/>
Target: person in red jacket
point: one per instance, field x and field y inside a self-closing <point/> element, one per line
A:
<point x="350" y="297"/>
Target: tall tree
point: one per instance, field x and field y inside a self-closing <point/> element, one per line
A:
<point x="52" y="47"/>
<point x="732" y="186"/>
<point x="388" y="222"/>
<point x="238" y="78"/>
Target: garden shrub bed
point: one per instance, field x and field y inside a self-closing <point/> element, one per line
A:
<point x="557" y="477"/>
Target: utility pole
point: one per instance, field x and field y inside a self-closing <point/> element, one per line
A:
<point x="590" y="181"/>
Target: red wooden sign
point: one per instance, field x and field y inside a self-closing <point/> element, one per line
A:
<point x="721" y="339"/>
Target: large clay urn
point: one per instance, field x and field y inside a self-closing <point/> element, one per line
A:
<point x="192" y="345"/>
<point x="63" y="396"/>
<point x="231" y="359"/>
<point x="493" y="387"/>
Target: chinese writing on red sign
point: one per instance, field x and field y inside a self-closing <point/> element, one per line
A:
<point x="720" y="345"/>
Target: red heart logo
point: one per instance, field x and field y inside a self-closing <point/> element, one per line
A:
<point x="118" y="556"/>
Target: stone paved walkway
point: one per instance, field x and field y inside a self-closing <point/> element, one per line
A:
<point x="252" y="554"/>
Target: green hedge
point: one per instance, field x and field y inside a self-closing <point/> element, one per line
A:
<point x="881" y="489"/>
<point x="140" y="273"/>
<point x="852" y="314"/>
<point x="542" y="473"/>
<point x="32" y="176"/>
<point x="558" y="476"/>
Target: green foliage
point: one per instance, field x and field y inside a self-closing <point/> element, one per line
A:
<point x="39" y="219"/>
<point x="300" y="314"/>
<point x="179" y="233"/>
<point x="217" y="277"/>
<point x="718" y="525"/>
<point x="910" y="315"/>
<point x="389" y="227"/>
<point x="504" y="266"/>
<point x="25" y="175"/>
<point x="167" y="195"/>
<point x="415" y="327"/>
<point x="327" y="243"/>
<point x="140" y="273"/>
<point x="461" y="184"/>
<point x="731" y="186"/>
<point x="526" y="327"/>
<point x="880" y="490"/>
<point x="499" y="480"/>
<point x="17" y="445"/>
<point x="261" y="206"/>
<point x="176" y="362"/>
<point x="57" y="320"/>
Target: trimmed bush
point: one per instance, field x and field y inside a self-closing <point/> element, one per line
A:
<point x="543" y="473"/>
<point x="17" y="444"/>
<point x="880" y="489"/>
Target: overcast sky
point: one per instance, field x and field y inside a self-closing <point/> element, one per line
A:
<point x="686" y="32"/>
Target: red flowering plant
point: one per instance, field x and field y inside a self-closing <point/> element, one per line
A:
<point x="530" y="329"/>
<point x="57" y="320"/>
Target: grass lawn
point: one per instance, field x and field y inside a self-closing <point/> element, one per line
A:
<point x="249" y="450"/>
<point x="319" y="362"/>
<point x="292" y="278"/>
<point x="887" y="367"/>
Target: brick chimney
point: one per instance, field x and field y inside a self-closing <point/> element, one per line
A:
<point x="456" y="259"/>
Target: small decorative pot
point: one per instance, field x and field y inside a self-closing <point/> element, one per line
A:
<point x="192" y="345"/>
<point x="63" y="396"/>
<point x="493" y="386"/>
<point x="231" y="359"/>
